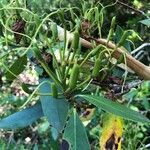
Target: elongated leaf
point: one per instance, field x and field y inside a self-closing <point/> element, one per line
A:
<point x="115" y="108"/>
<point x="56" y="110"/>
<point x="23" y="118"/>
<point x="75" y="133"/>
<point x="17" y="67"/>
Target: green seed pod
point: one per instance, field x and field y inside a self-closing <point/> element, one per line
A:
<point x="54" y="90"/>
<point x="54" y="31"/>
<point x="75" y="42"/>
<point x="74" y="76"/>
<point x="2" y="13"/>
<point x="123" y="38"/>
<point x="113" y="21"/>
<point x="96" y="14"/>
<point x="101" y="17"/>
<point x="96" y="68"/>
<point x="111" y="32"/>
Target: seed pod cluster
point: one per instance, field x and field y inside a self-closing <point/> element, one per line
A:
<point x="74" y="76"/>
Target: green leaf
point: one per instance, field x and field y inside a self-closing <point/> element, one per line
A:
<point x="118" y="34"/>
<point x="17" y="67"/>
<point x="75" y="133"/>
<point x="146" y="22"/>
<point x="56" y="110"/>
<point x="23" y="118"/>
<point x="26" y="89"/>
<point x="115" y="108"/>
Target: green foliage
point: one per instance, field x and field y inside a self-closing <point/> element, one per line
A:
<point x="146" y="22"/>
<point x="16" y="68"/>
<point x="73" y="131"/>
<point x="23" y="118"/>
<point x="55" y="109"/>
<point x="115" y="108"/>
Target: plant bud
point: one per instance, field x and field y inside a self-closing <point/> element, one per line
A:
<point x="74" y="76"/>
<point x="113" y="22"/>
<point x="75" y="42"/>
<point x="96" y="68"/>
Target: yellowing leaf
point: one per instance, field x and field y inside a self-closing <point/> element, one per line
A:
<point x="88" y="114"/>
<point x="110" y="138"/>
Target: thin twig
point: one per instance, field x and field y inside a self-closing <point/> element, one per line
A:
<point x="135" y="10"/>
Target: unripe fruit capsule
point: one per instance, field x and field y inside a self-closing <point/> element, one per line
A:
<point x="96" y="68"/>
<point x="113" y="21"/>
<point x="75" y="42"/>
<point x="54" y="31"/>
<point x="74" y="76"/>
<point x="54" y="90"/>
